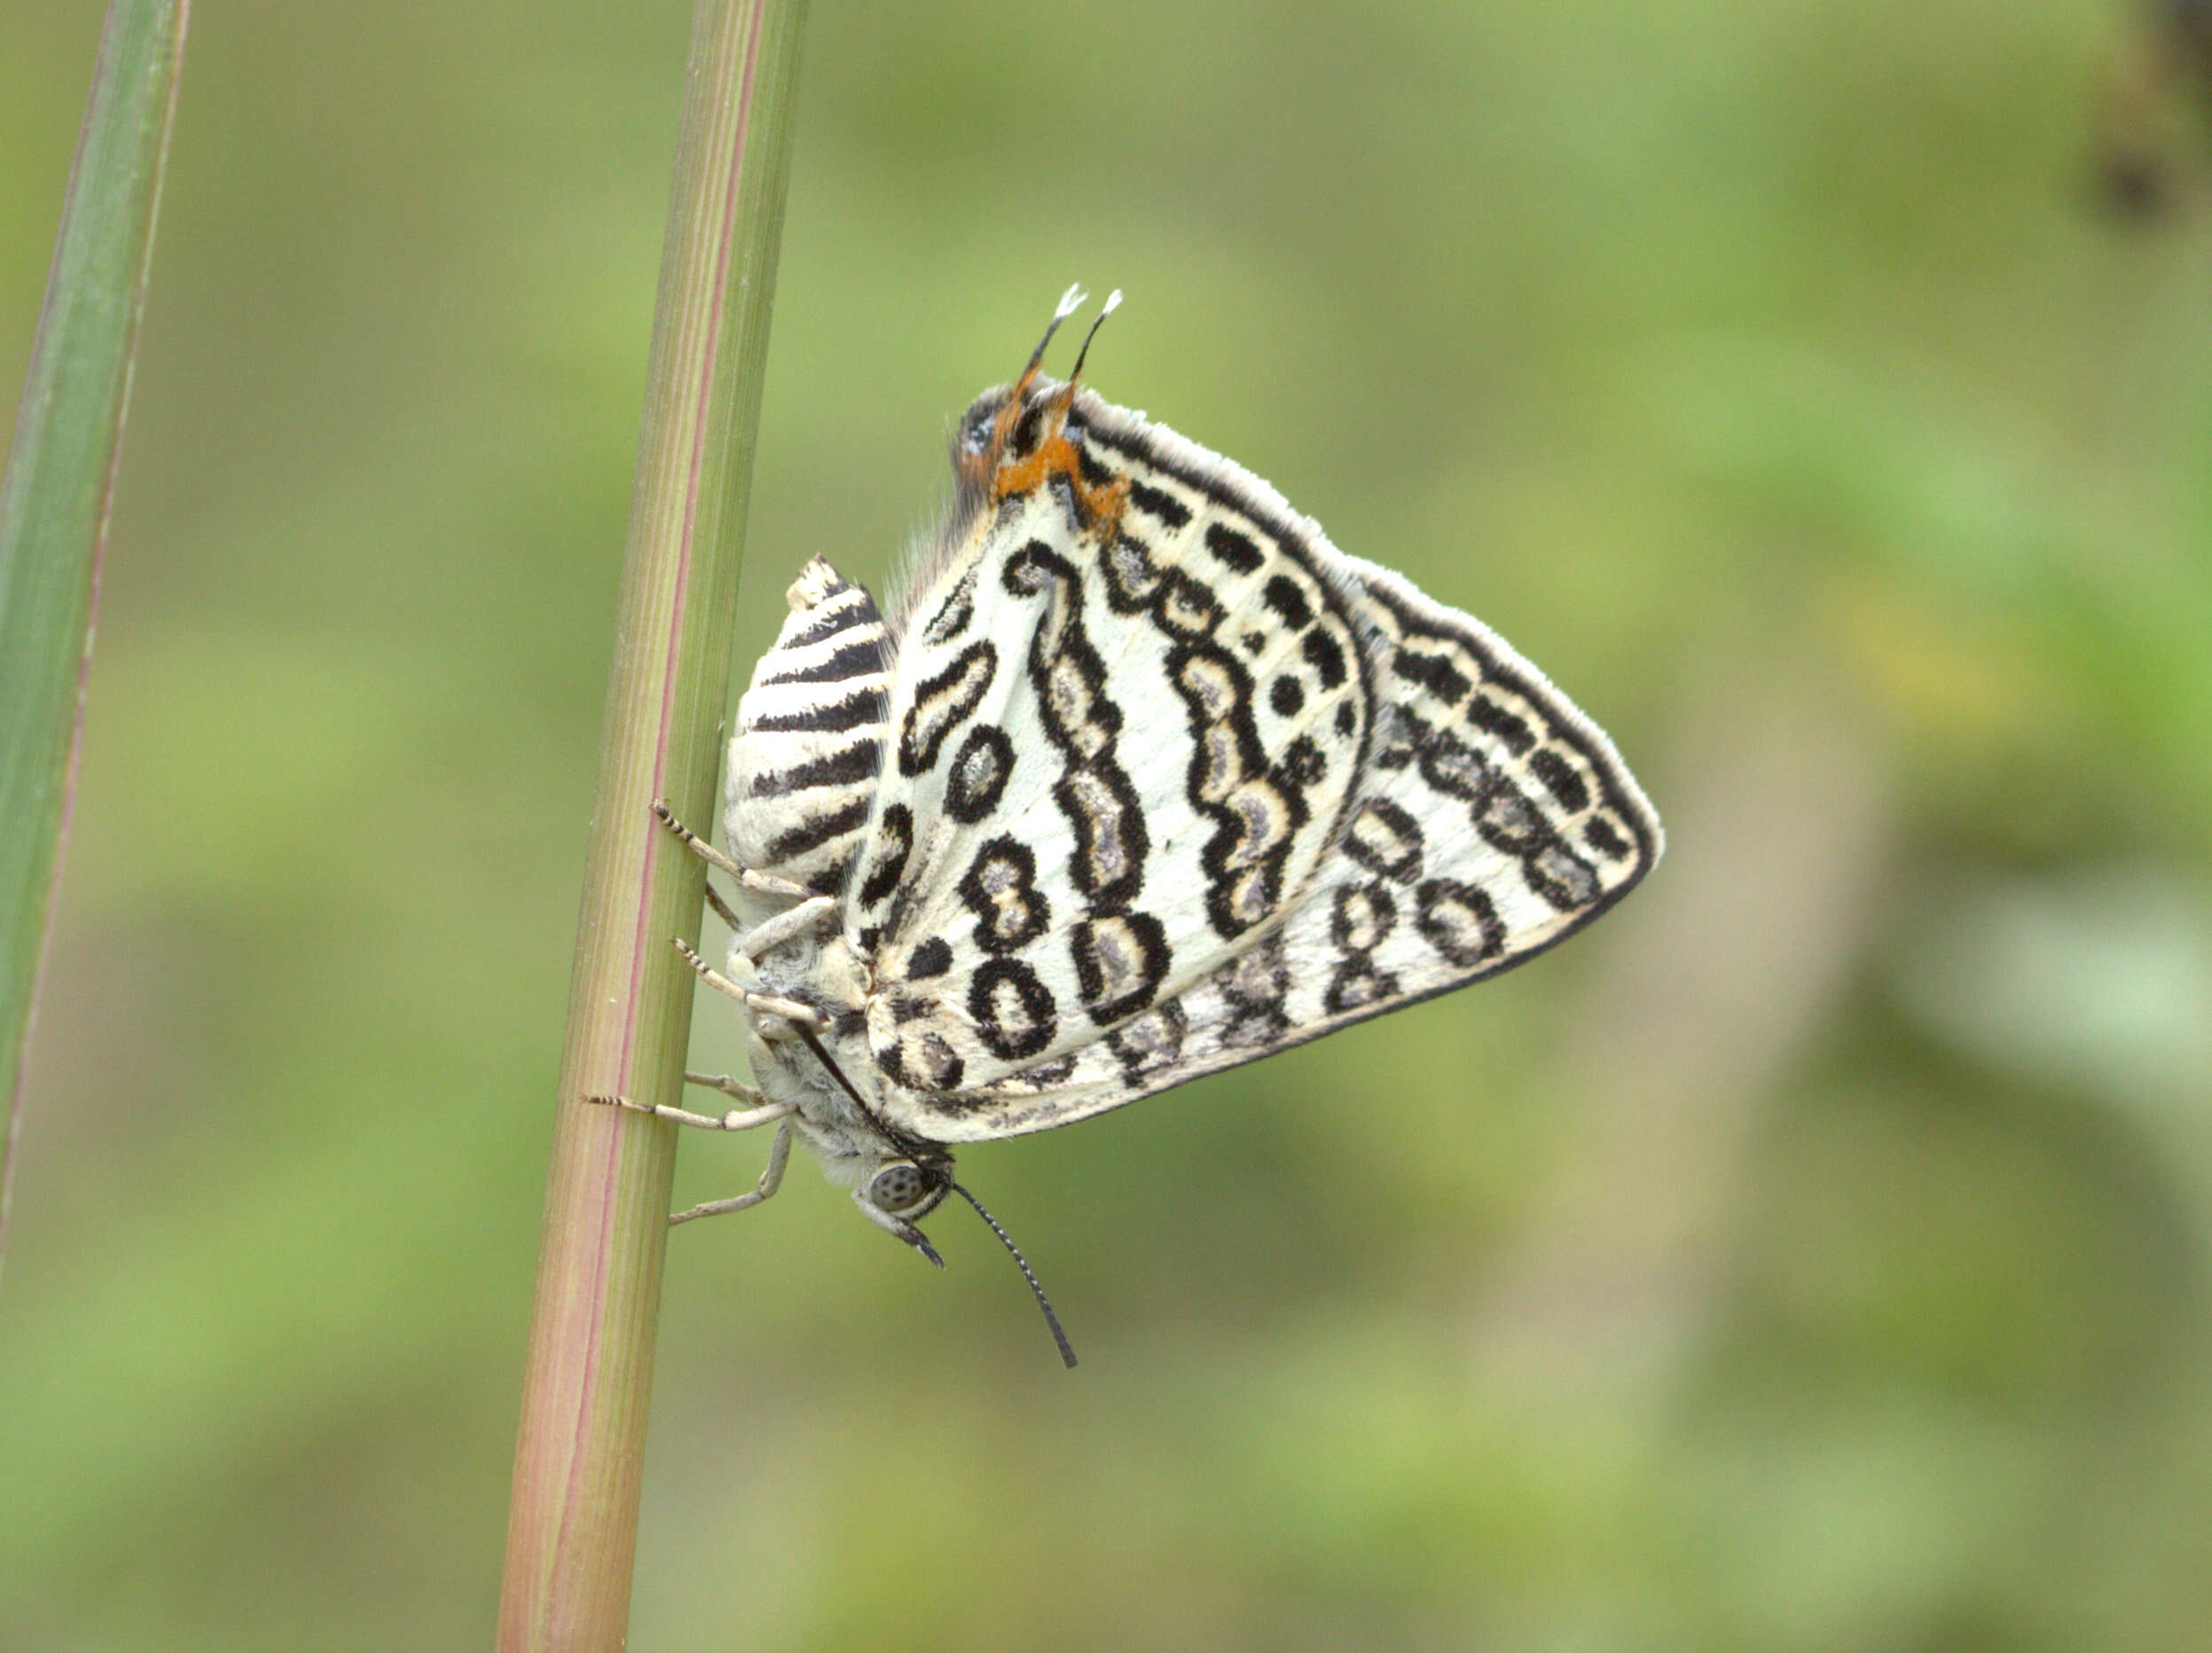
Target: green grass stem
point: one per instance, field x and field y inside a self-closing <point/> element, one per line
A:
<point x="573" y="1517"/>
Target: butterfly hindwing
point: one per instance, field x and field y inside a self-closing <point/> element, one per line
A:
<point x="809" y="730"/>
<point x="1159" y="800"/>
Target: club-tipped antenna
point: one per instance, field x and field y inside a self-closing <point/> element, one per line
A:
<point x="1113" y="303"/>
<point x="1070" y="302"/>
<point x="1067" y="1349"/>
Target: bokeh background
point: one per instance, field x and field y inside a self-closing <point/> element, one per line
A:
<point x="1813" y="1255"/>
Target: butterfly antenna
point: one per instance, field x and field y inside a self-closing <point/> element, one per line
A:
<point x="1016" y="397"/>
<point x="1113" y="303"/>
<point x="1070" y="302"/>
<point x="1067" y="1349"/>
<point x="813" y="1043"/>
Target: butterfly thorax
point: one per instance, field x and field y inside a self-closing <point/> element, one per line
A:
<point x="833" y="1099"/>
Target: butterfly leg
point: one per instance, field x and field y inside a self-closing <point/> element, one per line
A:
<point x="722" y="908"/>
<point x="759" y="1004"/>
<point x="724" y="1084"/>
<point x="765" y="883"/>
<point x="763" y="1111"/>
<point x="810" y="901"/>
<point x="815" y="912"/>
<point x="771" y="1179"/>
<point x="694" y="842"/>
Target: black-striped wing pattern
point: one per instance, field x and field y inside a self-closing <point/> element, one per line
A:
<point x="1144" y="778"/>
<point x="802" y="775"/>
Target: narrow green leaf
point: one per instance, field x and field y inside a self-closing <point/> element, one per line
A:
<point x="572" y="1521"/>
<point x="59" y="483"/>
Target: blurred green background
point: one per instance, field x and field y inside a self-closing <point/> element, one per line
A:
<point x="1813" y="1256"/>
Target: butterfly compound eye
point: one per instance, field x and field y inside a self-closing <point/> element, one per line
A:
<point x="898" y="1187"/>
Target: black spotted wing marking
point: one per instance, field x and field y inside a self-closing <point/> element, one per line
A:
<point x="1124" y="744"/>
<point x="1473" y="815"/>
<point x="810" y="737"/>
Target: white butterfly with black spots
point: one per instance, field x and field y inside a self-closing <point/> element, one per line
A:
<point x="1139" y="779"/>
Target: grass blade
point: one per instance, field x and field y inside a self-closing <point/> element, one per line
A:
<point x="59" y="484"/>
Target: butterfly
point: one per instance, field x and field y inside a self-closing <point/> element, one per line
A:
<point x="1139" y="778"/>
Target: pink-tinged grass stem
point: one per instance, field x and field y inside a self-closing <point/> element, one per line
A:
<point x="573" y="1519"/>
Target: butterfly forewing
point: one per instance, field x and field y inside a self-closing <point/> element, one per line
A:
<point x="1122" y="745"/>
<point x="1170" y="787"/>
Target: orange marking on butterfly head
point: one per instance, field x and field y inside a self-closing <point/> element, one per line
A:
<point x="1098" y="505"/>
<point x="1010" y="413"/>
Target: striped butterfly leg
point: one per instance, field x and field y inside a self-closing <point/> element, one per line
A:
<point x="756" y="1004"/>
<point x="694" y="842"/>
<point x="812" y="911"/>
<point x="760" y="1110"/>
